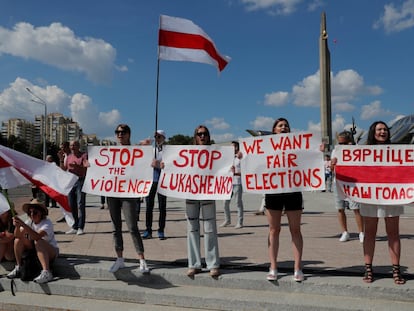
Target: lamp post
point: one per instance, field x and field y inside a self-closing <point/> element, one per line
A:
<point x="41" y="102"/>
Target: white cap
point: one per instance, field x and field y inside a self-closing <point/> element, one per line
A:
<point x="162" y="133"/>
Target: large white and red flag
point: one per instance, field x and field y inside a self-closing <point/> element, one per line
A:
<point x="180" y="39"/>
<point x="17" y="169"/>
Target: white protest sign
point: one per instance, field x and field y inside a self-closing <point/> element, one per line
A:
<point x="119" y="171"/>
<point x="376" y="174"/>
<point x="197" y="172"/>
<point x="282" y="163"/>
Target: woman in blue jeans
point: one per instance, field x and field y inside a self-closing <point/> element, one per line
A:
<point x="129" y="209"/>
<point x="208" y="213"/>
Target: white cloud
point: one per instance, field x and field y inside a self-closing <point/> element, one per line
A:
<point x="396" y="19"/>
<point x="347" y="85"/>
<point x="274" y="7"/>
<point x="307" y="93"/>
<point x="344" y="107"/>
<point x="276" y="99"/>
<point x="58" y="46"/>
<point x="221" y="138"/>
<point x="84" y="112"/>
<point x="314" y="5"/>
<point x="262" y="123"/>
<point x="16" y="101"/>
<point x="217" y="124"/>
<point x="373" y="110"/>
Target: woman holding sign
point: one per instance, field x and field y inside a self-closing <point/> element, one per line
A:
<point x="128" y="206"/>
<point x="208" y="212"/>
<point x="378" y="134"/>
<point x="291" y="204"/>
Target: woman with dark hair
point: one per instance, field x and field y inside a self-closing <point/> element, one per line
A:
<point x="379" y="134"/>
<point x="128" y="206"/>
<point x="291" y="204"/>
<point x="208" y="211"/>
<point x="35" y="233"/>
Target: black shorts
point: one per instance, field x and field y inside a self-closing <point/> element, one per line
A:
<point x="284" y="201"/>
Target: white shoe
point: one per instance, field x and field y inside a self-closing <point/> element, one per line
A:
<point x="44" y="277"/>
<point x="71" y="231"/>
<point x="298" y="276"/>
<point x="238" y="226"/>
<point x="361" y="237"/>
<point x="344" y="237"/>
<point x="80" y="232"/>
<point x="118" y="264"/>
<point x="15" y="273"/>
<point x="225" y="224"/>
<point x="272" y="275"/>
<point x="143" y="268"/>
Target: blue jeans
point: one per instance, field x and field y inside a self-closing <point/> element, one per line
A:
<point x="208" y="212"/>
<point x="128" y="207"/>
<point x="77" y="203"/>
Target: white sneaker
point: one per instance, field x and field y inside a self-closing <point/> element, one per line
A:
<point x="361" y="237"/>
<point x="80" y="232"/>
<point x="118" y="264"/>
<point x="238" y="226"/>
<point x="272" y="275"/>
<point x="15" y="273"/>
<point x="71" y="231"/>
<point x="44" y="277"/>
<point x="344" y="237"/>
<point x="298" y="276"/>
<point x="225" y="224"/>
<point x="143" y="268"/>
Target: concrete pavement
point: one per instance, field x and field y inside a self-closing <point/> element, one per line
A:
<point x="331" y="267"/>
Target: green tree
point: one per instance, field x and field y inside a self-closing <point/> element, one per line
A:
<point x="180" y="140"/>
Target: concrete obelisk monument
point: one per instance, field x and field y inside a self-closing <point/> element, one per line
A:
<point x="325" y="85"/>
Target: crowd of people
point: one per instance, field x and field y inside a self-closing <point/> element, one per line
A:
<point x="37" y="232"/>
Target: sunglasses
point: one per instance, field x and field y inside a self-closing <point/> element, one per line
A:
<point x="202" y="134"/>
<point x="120" y="132"/>
<point x="33" y="213"/>
<point x="158" y="136"/>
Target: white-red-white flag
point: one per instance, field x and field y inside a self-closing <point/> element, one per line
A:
<point x="50" y="178"/>
<point x="181" y="40"/>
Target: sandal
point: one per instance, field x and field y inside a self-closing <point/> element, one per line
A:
<point x="396" y="274"/>
<point x="368" y="276"/>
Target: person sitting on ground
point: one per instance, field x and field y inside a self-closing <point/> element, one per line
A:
<point x="35" y="233"/>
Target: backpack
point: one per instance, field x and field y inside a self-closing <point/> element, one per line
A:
<point x="31" y="266"/>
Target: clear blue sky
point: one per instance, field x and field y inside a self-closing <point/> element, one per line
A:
<point x="96" y="61"/>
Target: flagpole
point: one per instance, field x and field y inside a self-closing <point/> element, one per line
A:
<point x="157" y="89"/>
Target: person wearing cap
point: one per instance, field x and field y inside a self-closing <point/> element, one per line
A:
<point x="35" y="233"/>
<point x="162" y="199"/>
<point x="6" y="230"/>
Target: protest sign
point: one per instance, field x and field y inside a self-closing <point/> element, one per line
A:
<point x="282" y="163"/>
<point x="197" y="172"/>
<point x="376" y="174"/>
<point x="119" y="171"/>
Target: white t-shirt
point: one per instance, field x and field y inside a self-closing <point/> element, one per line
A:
<point x="47" y="226"/>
